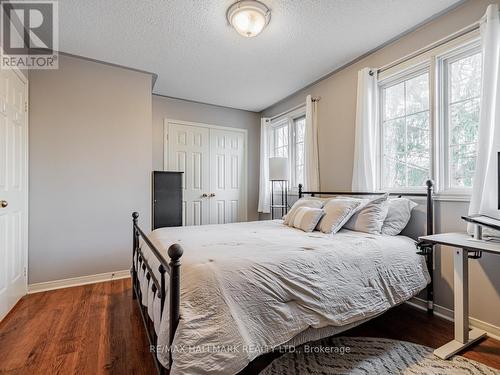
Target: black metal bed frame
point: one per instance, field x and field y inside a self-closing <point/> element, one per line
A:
<point x="175" y="252"/>
<point x="157" y="286"/>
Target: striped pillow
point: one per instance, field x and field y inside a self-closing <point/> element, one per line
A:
<point x="307" y="218"/>
<point x="302" y="202"/>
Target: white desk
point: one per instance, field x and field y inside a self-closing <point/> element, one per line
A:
<point x="463" y="244"/>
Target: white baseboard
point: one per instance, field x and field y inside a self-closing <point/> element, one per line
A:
<point x="445" y="313"/>
<point x="76" y="281"/>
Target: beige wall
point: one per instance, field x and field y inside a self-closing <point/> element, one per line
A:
<point x="336" y="118"/>
<point x="184" y="110"/>
<point x="90" y="165"/>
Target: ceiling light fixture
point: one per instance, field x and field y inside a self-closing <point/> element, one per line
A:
<point x="248" y="17"/>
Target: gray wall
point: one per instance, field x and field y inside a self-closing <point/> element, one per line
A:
<point x="209" y="114"/>
<point x="336" y="117"/>
<point x="90" y="165"/>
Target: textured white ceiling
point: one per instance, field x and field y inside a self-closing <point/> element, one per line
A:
<point x="197" y="56"/>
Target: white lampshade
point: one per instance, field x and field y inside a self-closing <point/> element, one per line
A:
<point x="278" y="169"/>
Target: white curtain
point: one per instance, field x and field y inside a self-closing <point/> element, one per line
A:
<point x="311" y="152"/>
<point x="365" y="146"/>
<point x="484" y="198"/>
<point x="264" y="185"/>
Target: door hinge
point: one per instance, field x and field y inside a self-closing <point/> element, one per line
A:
<point x="25" y="271"/>
<point x="25" y="106"/>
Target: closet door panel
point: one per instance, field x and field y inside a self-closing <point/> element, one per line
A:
<point x="227" y="152"/>
<point x="188" y="152"/>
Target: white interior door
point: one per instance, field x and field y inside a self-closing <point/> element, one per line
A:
<point x="13" y="189"/>
<point x="227" y="154"/>
<point x="188" y="152"/>
<point x="213" y="160"/>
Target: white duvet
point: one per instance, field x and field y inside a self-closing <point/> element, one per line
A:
<point x="248" y="287"/>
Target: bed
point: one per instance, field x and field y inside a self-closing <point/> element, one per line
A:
<point x="249" y="288"/>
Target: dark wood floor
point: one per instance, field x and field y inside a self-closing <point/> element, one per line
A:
<point x="96" y="329"/>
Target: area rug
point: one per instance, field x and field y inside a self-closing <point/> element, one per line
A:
<point x="363" y="355"/>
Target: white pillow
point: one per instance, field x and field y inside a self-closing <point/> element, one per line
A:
<point x="302" y="202"/>
<point x="337" y="212"/>
<point x="306" y="218"/>
<point x="398" y="216"/>
<point x="371" y="217"/>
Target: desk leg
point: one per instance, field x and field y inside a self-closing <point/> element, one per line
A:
<point x="461" y="294"/>
<point x="463" y="337"/>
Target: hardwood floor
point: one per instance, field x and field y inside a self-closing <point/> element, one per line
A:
<point x="97" y="329"/>
<point x="92" y="329"/>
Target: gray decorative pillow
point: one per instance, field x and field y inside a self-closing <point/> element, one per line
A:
<point x="302" y="202"/>
<point x="306" y="218"/>
<point x="398" y="216"/>
<point x="371" y="217"/>
<point x="337" y="212"/>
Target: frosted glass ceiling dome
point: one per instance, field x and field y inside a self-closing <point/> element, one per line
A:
<point x="248" y="17"/>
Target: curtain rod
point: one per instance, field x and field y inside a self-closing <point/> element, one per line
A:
<point x="449" y="38"/>
<point x="314" y="99"/>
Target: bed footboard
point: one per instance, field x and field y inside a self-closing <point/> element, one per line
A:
<point x="158" y="287"/>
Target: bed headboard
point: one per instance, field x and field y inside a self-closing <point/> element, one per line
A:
<point x="429" y="211"/>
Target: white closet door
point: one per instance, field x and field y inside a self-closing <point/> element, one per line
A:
<point x="188" y="151"/>
<point x="214" y="166"/>
<point x="227" y="184"/>
<point x="13" y="189"/>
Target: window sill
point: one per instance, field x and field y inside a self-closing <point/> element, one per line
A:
<point x="443" y="197"/>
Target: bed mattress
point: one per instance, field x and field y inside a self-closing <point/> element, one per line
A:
<point x="247" y="288"/>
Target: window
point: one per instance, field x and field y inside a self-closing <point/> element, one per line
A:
<point x="406" y="132"/>
<point x="429" y="121"/>
<point x="287" y="140"/>
<point x="461" y="95"/>
<point x="280" y="141"/>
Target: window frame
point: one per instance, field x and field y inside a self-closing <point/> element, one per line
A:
<point x="404" y="75"/>
<point x="464" y="46"/>
<point x="272" y="141"/>
<point x="288" y="120"/>
<point x="443" y="129"/>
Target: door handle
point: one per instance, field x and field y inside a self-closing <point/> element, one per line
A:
<point x="204" y="195"/>
<point x="4" y="203"/>
<point x="212" y="195"/>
